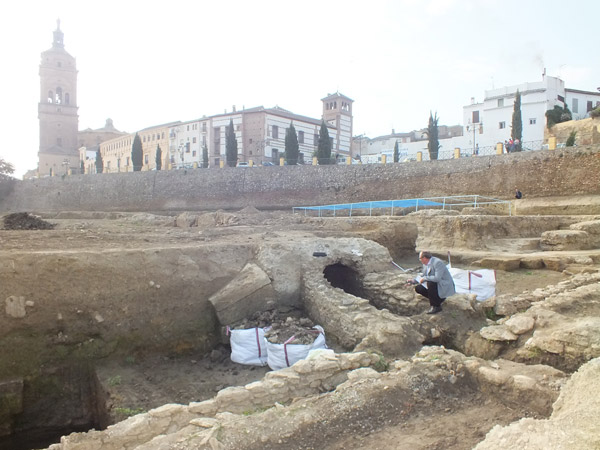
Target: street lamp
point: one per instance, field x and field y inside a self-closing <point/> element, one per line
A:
<point x="474" y="127"/>
<point x="66" y="164"/>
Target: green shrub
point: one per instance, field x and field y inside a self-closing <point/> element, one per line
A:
<point x="571" y="139"/>
<point x="595" y="112"/>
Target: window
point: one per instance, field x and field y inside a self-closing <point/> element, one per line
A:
<point x="275" y="132"/>
<point x="237" y="127"/>
<point x="194" y="140"/>
<point x="502" y="125"/>
<point x="300" y="137"/>
<point x="316" y="139"/>
<point x="128" y="160"/>
<point x="204" y="127"/>
<point x="194" y="153"/>
<point x="500" y="102"/>
<point x="475" y="117"/>
<point x="187" y="147"/>
<point x="250" y="141"/>
<point x="575" y="105"/>
<point x="532" y="121"/>
<point x="145" y="159"/>
<point x="590" y="106"/>
<point x="188" y="128"/>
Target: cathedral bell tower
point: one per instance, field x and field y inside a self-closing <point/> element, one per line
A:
<point x="337" y="113"/>
<point x="57" y="110"/>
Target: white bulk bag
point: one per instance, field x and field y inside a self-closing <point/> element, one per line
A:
<point x="248" y="346"/>
<point x="284" y="355"/>
<point x="481" y="282"/>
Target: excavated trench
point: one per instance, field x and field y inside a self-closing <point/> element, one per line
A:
<point x="55" y="402"/>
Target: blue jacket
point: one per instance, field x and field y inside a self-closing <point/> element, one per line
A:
<point x="437" y="272"/>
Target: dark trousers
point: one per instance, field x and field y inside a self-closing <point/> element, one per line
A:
<point x="430" y="292"/>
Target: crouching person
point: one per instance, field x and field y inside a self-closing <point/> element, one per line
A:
<point x="440" y="284"/>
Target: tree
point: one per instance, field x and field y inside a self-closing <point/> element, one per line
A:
<point x="557" y="115"/>
<point x="324" y="146"/>
<point x="433" y="145"/>
<point x="6" y="168"/>
<point x="516" y="132"/>
<point x="158" y="158"/>
<point x="396" y="152"/>
<point x="292" y="148"/>
<point x="231" y="148"/>
<point x="137" y="153"/>
<point x="99" y="162"/>
<point x="204" y="157"/>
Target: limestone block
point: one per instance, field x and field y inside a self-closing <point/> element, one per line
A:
<point x="204" y="422"/>
<point x="499" y="263"/>
<point x="498" y="333"/>
<point x="590" y="227"/>
<point x="363" y="373"/>
<point x="564" y="240"/>
<point x="520" y="324"/>
<point x="303" y="367"/>
<point x="247" y="293"/>
<point x="555" y="264"/>
<point x="507" y="306"/>
<point x="15" y="307"/>
<point x="232" y="395"/>
<point x="168" y="410"/>
<point x="523" y="382"/>
<point x="493" y="376"/>
<point x="326" y="366"/>
<point x="186" y="220"/>
<point x="206" y="408"/>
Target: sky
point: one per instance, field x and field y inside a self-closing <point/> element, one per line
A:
<point x="148" y="63"/>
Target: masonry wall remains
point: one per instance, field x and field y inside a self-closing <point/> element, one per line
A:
<point x="572" y="171"/>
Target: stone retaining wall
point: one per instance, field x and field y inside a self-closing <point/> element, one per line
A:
<point x="538" y="174"/>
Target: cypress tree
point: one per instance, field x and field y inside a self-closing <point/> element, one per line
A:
<point x="432" y="132"/>
<point x="99" y="162"/>
<point x="137" y="153"/>
<point x="292" y="148"/>
<point x="396" y="152"/>
<point x="324" y="146"/>
<point x="158" y="158"/>
<point x="204" y="157"/>
<point x="231" y="151"/>
<point x="517" y="123"/>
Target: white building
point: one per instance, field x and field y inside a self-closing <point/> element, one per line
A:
<point x="490" y="122"/>
<point x="487" y="123"/>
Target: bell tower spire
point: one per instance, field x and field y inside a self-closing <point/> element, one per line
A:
<point x="58" y="36"/>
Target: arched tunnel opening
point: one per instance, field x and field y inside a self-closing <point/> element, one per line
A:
<point x="345" y="278"/>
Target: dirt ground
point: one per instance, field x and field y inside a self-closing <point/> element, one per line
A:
<point x="137" y="385"/>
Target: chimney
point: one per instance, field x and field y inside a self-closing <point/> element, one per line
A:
<point x="233" y="108"/>
<point x="472" y="100"/>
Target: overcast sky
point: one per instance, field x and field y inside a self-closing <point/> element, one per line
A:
<point x="152" y="62"/>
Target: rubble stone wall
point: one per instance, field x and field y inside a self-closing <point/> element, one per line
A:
<point x="562" y="172"/>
